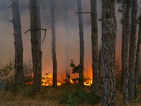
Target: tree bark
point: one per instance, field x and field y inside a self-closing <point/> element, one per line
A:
<point x="125" y="50"/>
<point x="137" y="59"/>
<point x="35" y="46"/>
<point x="81" y="42"/>
<point x="132" y="50"/>
<point x="53" y="45"/>
<point x="108" y="53"/>
<point x="95" y="55"/>
<point x="19" y="74"/>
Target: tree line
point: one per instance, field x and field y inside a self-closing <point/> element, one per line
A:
<point x="103" y="60"/>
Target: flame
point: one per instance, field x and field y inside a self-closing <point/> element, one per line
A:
<point x="88" y="78"/>
<point x="47" y="81"/>
<point x="88" y="83"/>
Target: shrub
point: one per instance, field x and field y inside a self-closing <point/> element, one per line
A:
<point x="79" y="96"/>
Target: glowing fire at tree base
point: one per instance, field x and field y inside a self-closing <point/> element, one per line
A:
<point x="47" y="81"/>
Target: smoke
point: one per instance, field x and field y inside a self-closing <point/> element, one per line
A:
<point x="7" y="39"/>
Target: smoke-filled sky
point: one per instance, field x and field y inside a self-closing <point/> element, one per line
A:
<point x="7" y="38"/>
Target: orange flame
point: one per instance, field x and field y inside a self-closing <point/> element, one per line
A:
<point x="47" y="81"/>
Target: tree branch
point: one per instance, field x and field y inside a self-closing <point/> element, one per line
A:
<point x="38" y="29"/>
<point x="9" y="6"/>
<point x="83" y="13"/>
<point x="12" y="22"/>
<point x="27" y="31"/>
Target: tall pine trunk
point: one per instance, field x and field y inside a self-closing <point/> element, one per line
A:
<point x="67" y="41"/>
<point x="108" y="53"/>
<point x="19" y="74"/>
<point x="53" y="45"/>
<point x="35" y="46"/>
<point x="132" y="50"/>
<point x="81" y="42"/>
<point x="125" y="50"/>
<point x="137" y="59"/>
<point x="95" y="55"/>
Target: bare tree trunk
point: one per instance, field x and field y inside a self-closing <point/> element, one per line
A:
<point x="81" y="42"/>
<point x="53" y="45"/>
<point x="94" y="37"/>
<point x="125" y="50"/>
<point x="35" y="46"/>
<point x="108" y="53"/>
<point x="67" y="41"/>
<point x="132" y="50"/>
<point x="137" y="59"/>
<point x="19" y="74"/>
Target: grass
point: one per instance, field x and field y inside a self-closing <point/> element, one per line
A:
<point x="71" y="94"/>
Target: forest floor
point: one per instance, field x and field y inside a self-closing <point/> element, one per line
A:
<point x="50" y="97"/>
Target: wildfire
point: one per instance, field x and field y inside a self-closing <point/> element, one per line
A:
<point x="88" y="78"/>
<point x="47" y="81"/>
<point x="88" y="83"/>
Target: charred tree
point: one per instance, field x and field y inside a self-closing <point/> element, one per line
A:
<point x="137" y="59"/>
<point x="53" y="45"/>
<point x="94" y="38"/>
<point x="132" y="50"/>
<point x="35" y="46"/>
<point x="125" y="50"/>
<point x="81" y="42"/>
<point x="19" y="74"/>
<point x="108" y="53"/>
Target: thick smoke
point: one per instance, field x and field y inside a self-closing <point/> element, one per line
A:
<point x="7" y="39"/>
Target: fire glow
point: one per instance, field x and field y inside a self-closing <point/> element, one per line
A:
<point x="47" y="81"/>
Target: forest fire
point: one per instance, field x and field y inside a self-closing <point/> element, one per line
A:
<point x="47" y="81"/>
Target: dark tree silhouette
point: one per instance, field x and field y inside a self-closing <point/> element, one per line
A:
<point x="81" y="42"/>
<point x="94" y="37"/>
<point x="35" y="45"/>
<point x="53" y="45"/>
<point x="125" y="50"/>
<point x="137" y="59"/>
<point x="67" y="40"/>
<point x="19" y="74"/>
<point x="132" y="50"/>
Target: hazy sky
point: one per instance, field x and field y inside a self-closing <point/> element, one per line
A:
<point x="7" y="39"/>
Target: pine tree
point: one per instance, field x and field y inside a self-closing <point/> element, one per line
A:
<point x="53" y="45"/>
<point x="137" y="59"/>
<point x="108" y="53"/>
<point x="35" y="45"/>
<point x="125" y="50"/>
<point x="94" y="37"/>
<point x="19" y="74"/>
<point x="81" y="42"/>
<point x="132" y="50"/>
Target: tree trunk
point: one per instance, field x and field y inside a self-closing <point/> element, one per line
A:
<point x="67" y="41"/>
<point x="137" y="59"/>
<point x="81" y="42"/>
<point x="19" y="74"/>
<point x="94" y="37"/>
<point x="132" y="50"/>
<point x="108" y="53"/>
<point x="36" y="46"/>
<point x="53" y="45"/>
<point x="125" y="50"/>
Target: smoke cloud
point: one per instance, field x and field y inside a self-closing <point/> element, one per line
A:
<point x="7" y="39"/>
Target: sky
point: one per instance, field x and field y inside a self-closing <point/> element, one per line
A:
<point x="7" y="38"/>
